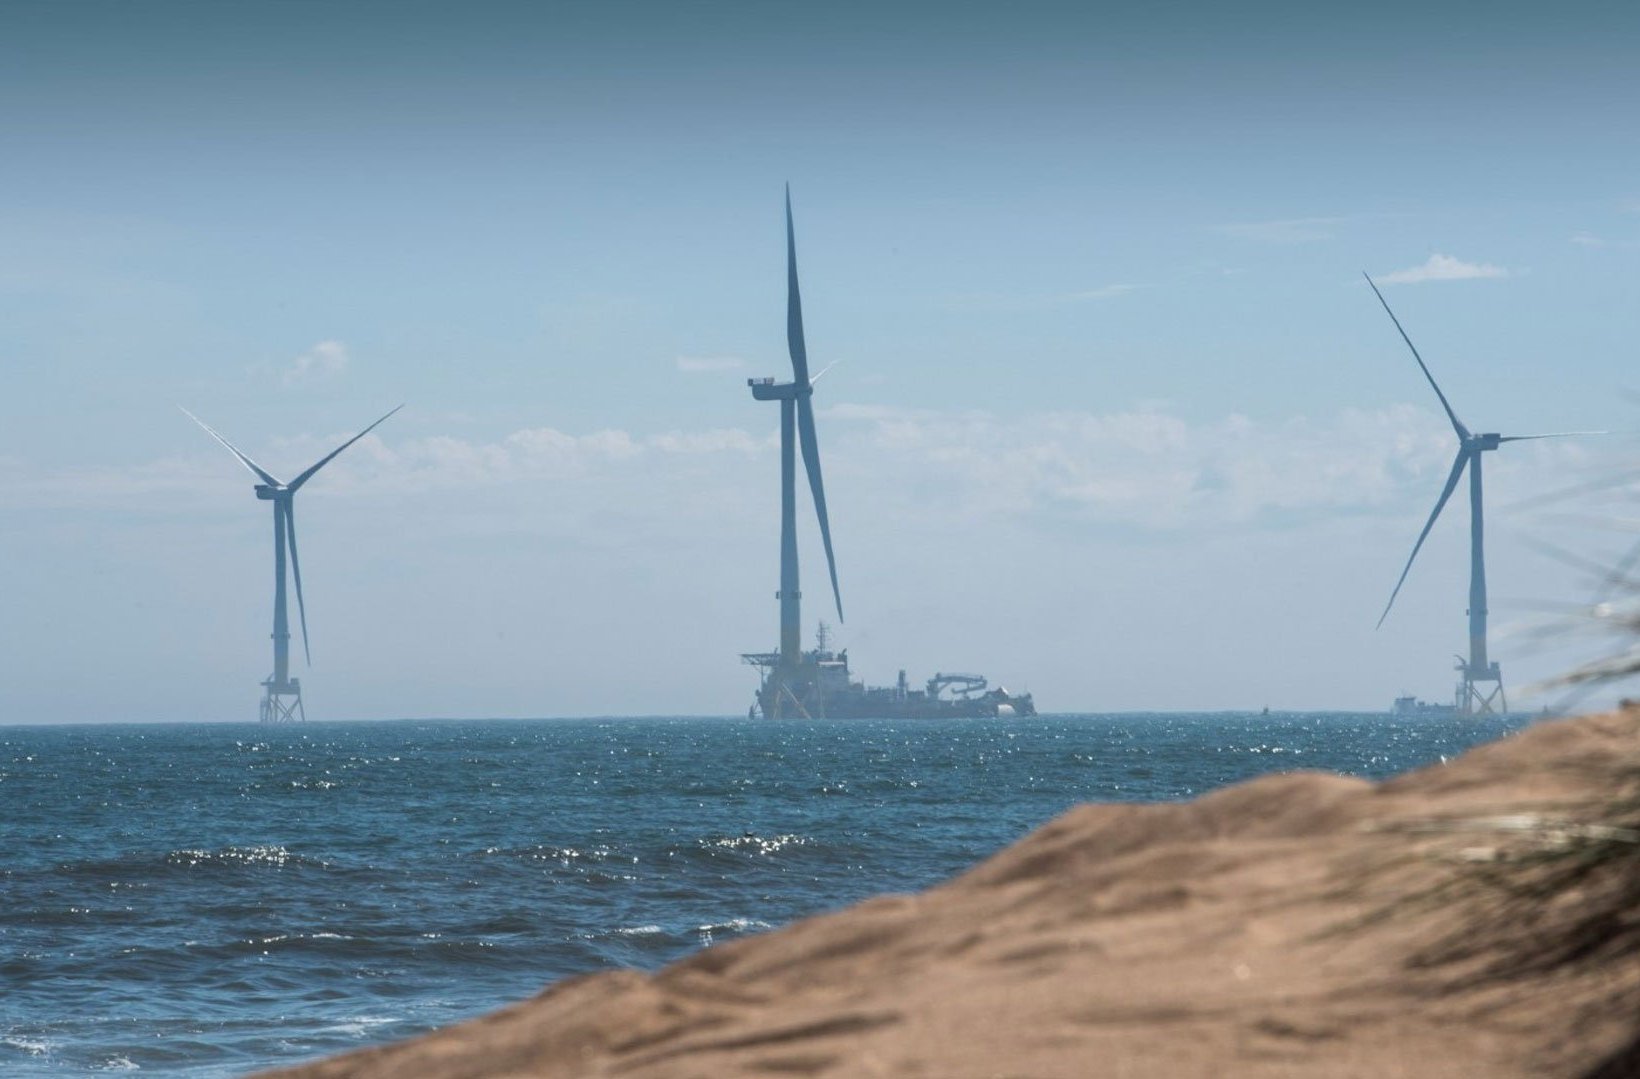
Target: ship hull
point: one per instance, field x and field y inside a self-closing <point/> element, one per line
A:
<point x="863" y="707"/>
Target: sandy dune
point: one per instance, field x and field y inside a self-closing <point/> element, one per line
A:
<point x="1296" y="925"/>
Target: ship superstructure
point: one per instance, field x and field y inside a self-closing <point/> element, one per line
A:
<point x="1410" y="707"/>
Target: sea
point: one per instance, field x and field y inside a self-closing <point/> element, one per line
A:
<point x="211" y="899"/>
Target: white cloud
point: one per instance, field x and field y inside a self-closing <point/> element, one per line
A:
<point x="701" y="364"/>
<point x="1587" y="239"/>
<point x="87" y="485"/>
<point x="324" y="360"/>
<point x="1145" y="467"/>
<point x="1442" y="268"/>
<point x="1148" y="467"/>
<point x="1293" y="230"/>
<point x="719" y="440"/>
<point x="540" y="454"/>
<point x="532" y="454"/>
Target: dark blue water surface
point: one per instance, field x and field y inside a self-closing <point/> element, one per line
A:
<point x="210" y="899"/>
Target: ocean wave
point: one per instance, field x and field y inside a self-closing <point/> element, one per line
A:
<point x="314" y="784"/>
<point x="548" y="853"/>
<point x="283" y="938"/>
<point x="507" y="923"/>
<point x="356" y="1026"/>
<point x="647" y="935"/>
<point x="277" y="857"/>
<point x="734" y="925"/>
<point x="34" y="1047"/>
<point x="756" y="844"/>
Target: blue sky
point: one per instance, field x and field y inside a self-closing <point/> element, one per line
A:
<point x="1116" y="417"/>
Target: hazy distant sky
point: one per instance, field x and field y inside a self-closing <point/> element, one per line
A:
<point x="1116" y="421"/>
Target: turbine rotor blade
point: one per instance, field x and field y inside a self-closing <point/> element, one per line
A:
<point x="805" y="401"/>
<point x="296" y="569"/>
<point x="1553" y="434"/>
<point x="811" y="463"/>
<point x="325" y="460"/>
<point x="1446" y="492"/>
<point x="257" y="470"/>
<point x="1457" y="424"/>
<point x="794" y="304"/>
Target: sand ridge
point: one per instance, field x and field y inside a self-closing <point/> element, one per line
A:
<point x="1295" y="925"/>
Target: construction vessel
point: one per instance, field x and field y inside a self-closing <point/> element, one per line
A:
<point x="1410" y="707"/>
<point x="817" y="684"/>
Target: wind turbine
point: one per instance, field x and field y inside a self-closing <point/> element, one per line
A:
<point x="1478" y="670"/>
<point x="789" y="683"/>
<point x="282" y="697"/>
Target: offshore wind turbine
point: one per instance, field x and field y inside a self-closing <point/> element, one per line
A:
<point x="789" y="684"/>
<point x="1478" y="670"/>
<point x="282" y="694"/>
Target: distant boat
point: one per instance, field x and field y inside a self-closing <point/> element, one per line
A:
<point x="1412" y="706"/>
<point x="821" y="687"/>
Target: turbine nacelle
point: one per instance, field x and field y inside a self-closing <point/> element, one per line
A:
<point x="267" y="492"/>
<point x="1478" y="443"/>
<point x="767" y="389"/>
